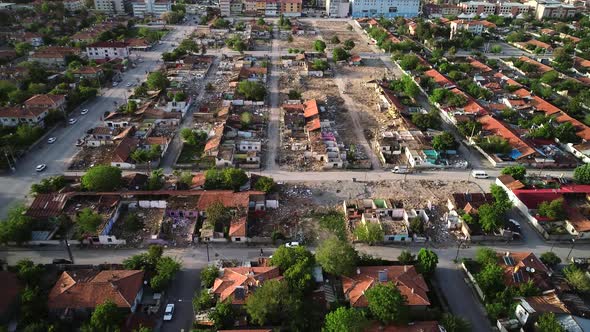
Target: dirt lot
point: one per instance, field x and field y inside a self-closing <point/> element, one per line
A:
<point x="329" y="29"/>
<point x="302" y="200"/>
<point x="88" y="157"/>
<point x="148" y="219"/>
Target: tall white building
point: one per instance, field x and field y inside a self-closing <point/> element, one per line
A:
<point x="107" y="50"/>
<point x="337" y="8"/>
<point x="385" y="8"/>
<point x="154" y="8"/>
<point x="224" y="7"/>
<point x="113" y="7"/>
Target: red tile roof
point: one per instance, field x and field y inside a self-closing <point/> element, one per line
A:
<point x="226" y="197"/>
<point x="238" y="227"/>
<point x="247" y="277"/>
<point x="9" y="288"/>
<point x="408" y="281"/>
<point x="310" y="108"/>
<point x="439" y="78"/>
<point x="45" y="100"/>
<point x="420" y="326"/>
<point x="541" y="67"/>
<point x="109" y="44"/>
<point x="20" y="112"/>
<point x="479" y="65"/>
<point x="524" y="265"/>
<point x="313" y="125"/>
<point x="124" y="149"/>
<point x="496" y="127"/>
<point x="88" y="288"/>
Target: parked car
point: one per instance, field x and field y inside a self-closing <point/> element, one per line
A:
<point x="84" y="111"/>
<point x="115" y="84"/>
<point x="292" y="244"/>
<point x="79" y="142"/>
<point x="40" y="168"/>
<point x="128" y="84"/>
<point x="514" y="222"/>
<point x="51" y="140"/>
<point x="72" y="121"/>
<point x="61" y="261"/>
<point x="169" y="311"/>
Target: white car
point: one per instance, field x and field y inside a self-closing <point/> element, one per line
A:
<point x="115" y="84"/>
<point x="514" y="222"/>
<point x="84" y="111"/>
<point x="40" y="168"/>
<point x="128" y="84"/>
<point x="51" y="140"/>
<point x="72" y="121"/>
<point x="169" y="311"/>
<point x="292" y="244"/>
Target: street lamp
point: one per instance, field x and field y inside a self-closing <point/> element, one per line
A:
<point x="571" y="249"/>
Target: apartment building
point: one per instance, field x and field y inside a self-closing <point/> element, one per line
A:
<point x="113" y="7"/>
<point x="385" y="8"/>
<point x="73" y="5"/>
<point x="224" y="6"/>
<point x="337" y="8"/>
<point x="156" y="8"/>
<point x="553" y="9"/>
<point x="512" y="9"/>
<point x="478" y="7"/>
<point x="107" y="50"/>
<point x="291" y="8"/>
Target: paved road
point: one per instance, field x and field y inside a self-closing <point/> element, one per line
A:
<point x="274" y="134"/>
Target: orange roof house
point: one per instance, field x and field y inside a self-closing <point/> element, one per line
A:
<point x="310" y="108"/>
<point x="85" y="289"/>
<point x="496" y="127"/>
<point x="409" y="282"/>
<point x="238" y="282"/>
<point x="520" y="267"/>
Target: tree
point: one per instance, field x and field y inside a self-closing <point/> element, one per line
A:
<point x="294" y="94"/>
<point x="208" y="275"/>
<point x="349" y="44"/>
<point x="335" y="40"/>
<point x="203" y="301"/>
<point x="132" y="223"/>
<point x="406" y="258"/>
<point x="319" y="46"/>
<point x="550" y="259"/>
<point x="553" y="209"/>
<point x="299" y="276"/>
<point x="563" y="59"/>
<point x="409" y="62"/>
<point x="166" y="269"/>
<point x="387" y="304"/>
<point x="285" y="257"/>
<point x="455" y="324"/>
<point x="88" y="221"/>
<point x="427" y="261"/>
<point x="102" y="178"/>
<point x="490" y="217"/>
<point x="17" y="226"/>
<point x="518" y="172"/>
<point x="218" y="216"/>
<point x="22" y="48"/>
<point x="345" y="319"/>
<point x="235" y="178"/>
<point x="445" y="141"/>
<point x="371" y="233"/>
<point x="48" y="185"/>
<point x="501" y="200"/>
<point x="271" y="303"/>
<point x="425" y="121"/>
<point x="157" y="81"/>
<point x="245" y="119"/>
<point x="106" y="317"/>
<point x="252" y="90"/>
<point x="490" y="279"/>
<point x="496" y="49"/>
<point x="577" y="278"/>
<point x="261" y="21"/>
<point x="582" y="174"/>
<point x="156" y="179"/>
<point x="339" y="54"/>
<point x="336" y="257"/>
<point x="550" y="77"/>
<point x="28" y="272"/>
<point x="319" y="64"/>
<point x="548" y="323"/>
<point x="265" y="184"/>
<point x="485" y="256"/>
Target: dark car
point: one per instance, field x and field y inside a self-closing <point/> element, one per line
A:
<point x="61" y="261"/>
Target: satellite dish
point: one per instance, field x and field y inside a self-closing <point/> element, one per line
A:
<point x="532" y="270"/>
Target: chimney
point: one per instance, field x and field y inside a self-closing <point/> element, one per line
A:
<point x="412" y="290"/>
<point x="405" y="268"/>
<point x="508" y="254"/>
<point x="358" y="270"/>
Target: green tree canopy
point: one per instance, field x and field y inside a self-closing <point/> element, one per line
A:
<point x="444" y="141"/>
<point x="340" y="54"/>
<point x="252" y="90"/>
<point x="485" y="256"/>
<point x="349" y="44"/>
<point x="427" y="261"/>
<point x="265" y="184"/>
<point x="490" y="217"/>
<point x="550" y="259"/>
<point x="582" y="174"/>
<point x="406" y="257"/>
<point x="387" y="304"/>
<point x="157" y="81"/>
<point x="88" y="221"/>
<point x="345" y="319"/>
<point x="17" y="226"/>
<point x="223" y="315"/>
<point x="548" y="323"/>
<point x="319" y="45"/>
<point x="490" y="279"/>
<point x="272" y="303"/>
<point x="455" y="324"/>
<point x="102" y="178"/>
<point x="208" y="275"/>
<point x="577" y="278"/>
<point x="336" y="256"/>
<point x="166" y="269"/>
<point x="552" y="209"/>
<point x="518" y="172"/>
<point x="106" y="317"/>
<point x="371" y="233"/>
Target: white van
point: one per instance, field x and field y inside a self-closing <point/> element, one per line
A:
<point x="479" y="174"/>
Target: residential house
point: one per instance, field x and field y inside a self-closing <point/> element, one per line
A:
<point x="53" y="55"/>
<point x="122" y="153"/>
<point x="99" y="136"/>
<point x="522" y="267"/>
<point x="530" y="308"/>
<point x="107" y="50"/>
<point x="10" y="287"/>
<point x="408" y="281"/>
<point x="80" y="291"/>
<point x="237" y="283"/>
<point x="291" y="8"/>
<point x="33" y="111"/>
<point x="271" y="8"/>
<point x="138" y="44"/>
<point x="473" y="27"/>
<point x="88" y="72"/>
<point x="33" y="38"/>
<point x="46" y="102"/>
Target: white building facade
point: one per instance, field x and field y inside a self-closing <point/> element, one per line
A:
<point x="156" y="8"/>
<point x="113" y="7"/>
<point x="107" y="50"/>
<point x="385" y="8"/>
<point x="337" y="8"/>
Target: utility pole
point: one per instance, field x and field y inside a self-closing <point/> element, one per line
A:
<point x="207" y="251"/>
<point x="69" y="249"/>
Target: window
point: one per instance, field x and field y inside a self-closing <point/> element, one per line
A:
<point x="238" y="239"/>
<point x="109" y="239"/>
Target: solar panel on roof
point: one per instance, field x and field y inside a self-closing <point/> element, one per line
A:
<point x="518" y="278"/>
<point x="508" y="260"/>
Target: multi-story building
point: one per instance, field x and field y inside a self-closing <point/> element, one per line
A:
<point x="73" y="5"/>
<point x="553" y="9"/>
<point x="512" y="8"/>
<point x="156" y="8"/>
<point x="113" y="7"/>
<point x="271" y="8"/>
<point x="107" y="50"/>
<point x="337" y="8"/>
<point x="291" y="7"/>
<point x="385" y="8"/>
<point x="478" y="7"/>
<point x="225" y="7"/>
<point x="474" y="27"/>
<point x="249" y="7"/>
